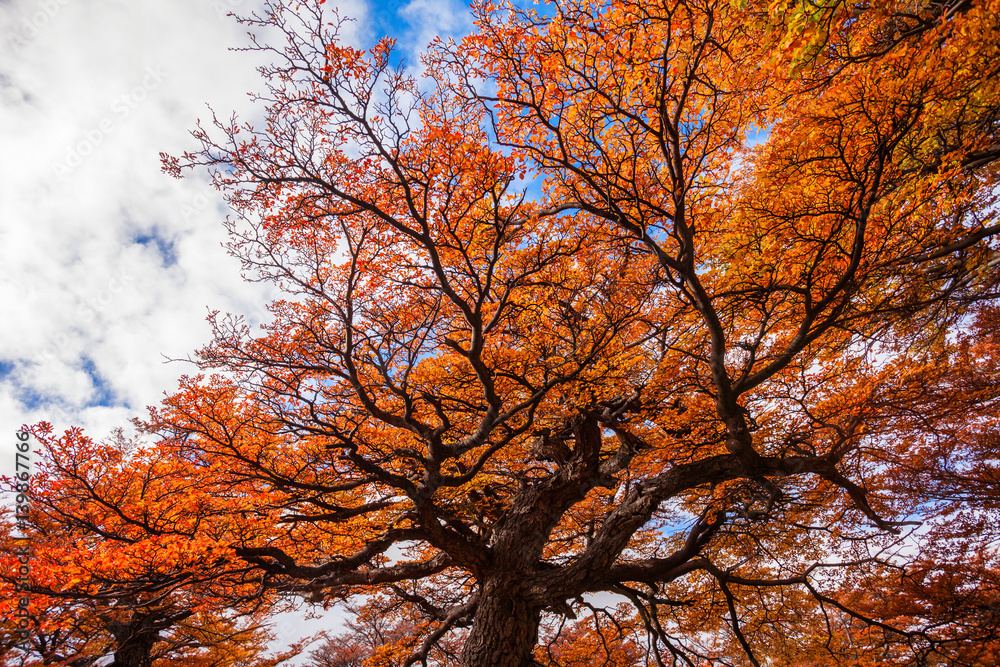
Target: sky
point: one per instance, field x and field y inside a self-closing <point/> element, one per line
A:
<point x="108" y="267"/>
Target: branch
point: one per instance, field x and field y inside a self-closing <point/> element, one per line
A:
<point x="456" y="614"/>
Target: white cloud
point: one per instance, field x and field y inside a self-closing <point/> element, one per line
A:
<point x="106" y="264"/>
<point x="429" y="19"/>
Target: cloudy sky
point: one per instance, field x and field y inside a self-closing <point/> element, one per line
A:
<point x="107" y="266"/>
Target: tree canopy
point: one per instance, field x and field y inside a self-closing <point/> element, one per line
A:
<point x="124" y="560"/>
<point x="630" y="333"/>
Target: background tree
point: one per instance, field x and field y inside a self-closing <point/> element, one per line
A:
<point x="604" y="638"/>
<point x="689" y="373"/>
<point x="124" y="563"/>
<point x="375" y="631"/>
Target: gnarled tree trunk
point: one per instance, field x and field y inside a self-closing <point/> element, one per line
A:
<point x="506" y="627"/>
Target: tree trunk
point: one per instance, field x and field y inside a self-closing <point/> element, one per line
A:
<point x="135" y="641"/>
<point x="505" y="629"/>
<point x="135" y="653"/>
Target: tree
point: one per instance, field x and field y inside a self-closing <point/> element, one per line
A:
<point x="375" y="632"/>
<point x="689" y="372"/>
<point x="123" y="563"/>
<point x="605" y="639"/>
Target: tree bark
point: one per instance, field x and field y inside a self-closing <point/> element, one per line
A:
<point x="505" y="630"/>
<point x="136" y="637"/>
<point x="137" y="652"/>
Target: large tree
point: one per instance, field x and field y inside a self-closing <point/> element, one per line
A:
<point x="671" y="304"/>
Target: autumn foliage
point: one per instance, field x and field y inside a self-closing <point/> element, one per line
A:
<point x="632" y="333"/>
<point x="126" y="561"/>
